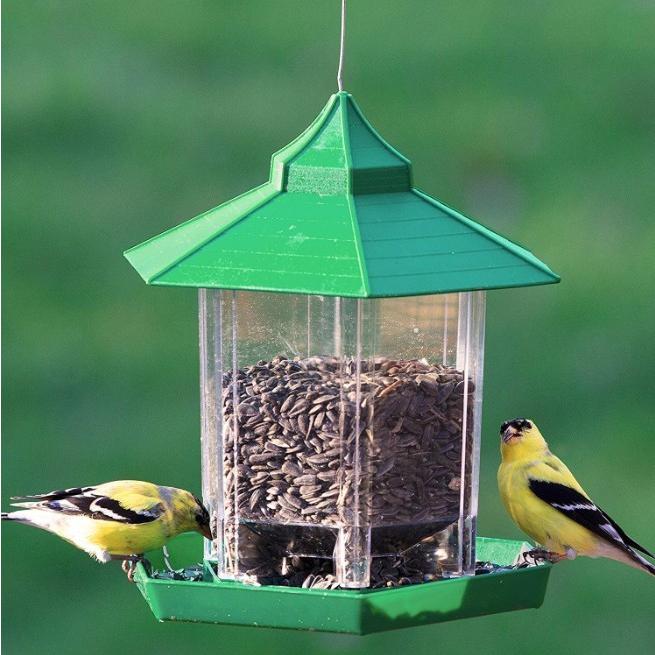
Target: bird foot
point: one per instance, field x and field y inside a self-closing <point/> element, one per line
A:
<point x="129" y="565"/>
<point x="543" y="555"/>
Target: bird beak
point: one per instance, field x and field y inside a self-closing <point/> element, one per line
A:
<point x="508" y="434"/>
<point x="207" y="532"/>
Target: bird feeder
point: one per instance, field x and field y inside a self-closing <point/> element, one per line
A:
<point x="341" y="320"/>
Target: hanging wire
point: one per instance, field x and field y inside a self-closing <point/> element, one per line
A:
<point x="342" y="46"/>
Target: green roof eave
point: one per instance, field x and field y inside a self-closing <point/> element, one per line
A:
<point x="338" y="217"/>
<point x="163" y="252"/>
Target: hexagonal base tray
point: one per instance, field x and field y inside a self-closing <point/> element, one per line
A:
<point x="349" y="611"/>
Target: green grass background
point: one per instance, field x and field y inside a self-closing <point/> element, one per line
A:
<point x="124" y="118"/>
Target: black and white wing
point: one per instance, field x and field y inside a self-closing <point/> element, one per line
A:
<point x="580" y="509"/>
<point x="86" y="501"/>
<point x="55" y="495"/>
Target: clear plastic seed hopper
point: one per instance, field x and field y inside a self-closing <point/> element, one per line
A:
<point x="341" y="436"/>
<point x="341" y="353"/>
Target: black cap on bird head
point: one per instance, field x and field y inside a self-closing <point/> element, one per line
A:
<point x="514" y="428"/>
<point x="202" y="519"/>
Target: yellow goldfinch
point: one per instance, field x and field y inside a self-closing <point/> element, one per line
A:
<point x="546" y="501"/>
<point x="117" y="520"/>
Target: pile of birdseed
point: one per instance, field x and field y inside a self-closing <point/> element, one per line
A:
<point x="297" y="423"/>
<point x="303" y="429"/>
<point x="385" y="573"/>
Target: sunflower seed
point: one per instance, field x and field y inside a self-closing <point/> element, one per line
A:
<point x="394" y="438"/>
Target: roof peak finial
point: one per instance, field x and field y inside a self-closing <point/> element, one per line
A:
<point x="342" y="46"/>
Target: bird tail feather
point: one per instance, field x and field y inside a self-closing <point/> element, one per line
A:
<point x="9" y="516"/>
<point x="19" y="517"/>
<point x="630" y="557"/>
<point x="643" y="563"/>
<point x="621" y="552"/>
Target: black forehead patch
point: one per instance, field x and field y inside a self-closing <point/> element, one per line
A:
<point x="517" y="424"/>
<point x="204" y="514"/>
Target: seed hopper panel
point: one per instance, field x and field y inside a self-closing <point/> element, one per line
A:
<point x="341" y="436"/>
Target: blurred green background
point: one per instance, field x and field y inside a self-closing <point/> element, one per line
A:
<point x="123" y="118"/>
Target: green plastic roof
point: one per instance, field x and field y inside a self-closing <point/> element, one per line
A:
<point x="338" y="216"/>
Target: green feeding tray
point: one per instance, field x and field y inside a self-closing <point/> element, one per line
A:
<point x="348" y="611"/>
<point x="339" y="216"/>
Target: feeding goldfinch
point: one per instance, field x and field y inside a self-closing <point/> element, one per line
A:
<point x="546" y="501"/>
<point x="117" y="520"/>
